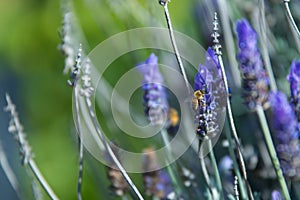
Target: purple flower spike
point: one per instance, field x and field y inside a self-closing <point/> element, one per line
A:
<point x="155" y="100"/>
<point x="285" y="132"/>
<point x="294" y="79"/>
<point x="204" y="103"/>
<point x="255" y="80"/>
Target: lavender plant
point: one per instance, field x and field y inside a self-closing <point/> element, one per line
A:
<point x="255" y="82"/>
<point x="285" y="130"/>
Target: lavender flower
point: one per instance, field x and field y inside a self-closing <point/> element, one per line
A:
<point x="286" y="135"/>
<point x="255" y="80"/>
<point x="157" y="182"/>
<point x="204" y="100"/>
<point x="276" y="195"/>
<point x="118" y="185"/>
<point x="294" y="79"/>
<point x="155" y="100"/>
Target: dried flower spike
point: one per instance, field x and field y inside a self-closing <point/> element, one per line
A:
<point x="75" y="70"/>
<point x="87" y="89"/>
<point x="16" y="128"/>
<point x="294" y="79"/>
<point x="67" y="46"/>
<point x="285" y="130"/>
<point x="215" y="35"/>
<point x="155" y="100"/>
<point x="255" y="79"/>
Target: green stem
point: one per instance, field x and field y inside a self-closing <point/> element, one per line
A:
<point x="235" y="165"/>
<point x="216" y="171"/>
<point x="272" y="151"/>
<point x="174" y="176"/>
<point x="203" y="167"/>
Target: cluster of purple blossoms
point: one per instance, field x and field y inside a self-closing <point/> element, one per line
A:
<point x="294" y="79"/>
<point x="285" y="129"/>
<point x="204" y="103"/>
<point x="155" y="99"/>
<point x="255" y="79"/>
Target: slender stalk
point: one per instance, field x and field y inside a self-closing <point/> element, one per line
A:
<point x="235" y="165"/>
<point x="290" y="16"/>
<point x="265" y="53"/>
<point x="171" y="170"/>
<point x="80" y="160"/>
<point x="165" y="138"/>
<point x="272" y="151"/>
<point x="110" y="151"/>
<point x="41" y="179"/>
<point x="292" y="24"/>
<point x="234" y="132"/>
<point x="164" y="3"/>
<point x="203" y="167"/>
<point x="216" y="170"/>
<point x="9" y="172"/>
<point x="217" y="48"/>
<point x="229" y="42"/>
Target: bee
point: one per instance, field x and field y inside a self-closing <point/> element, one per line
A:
<point x="198" y="99"/>
<point x="173" y="117"/>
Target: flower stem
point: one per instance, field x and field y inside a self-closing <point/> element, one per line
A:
<point x="216" y="171"/>
<point x="290" y="16"/>
<point x="110" y="151"/>
<point x="292" y="24"/>
<point x="164" y="3"/>
<point x="203" y="167"/>
<point x="233" y="130"/>
<point x="272" y="151"/>
<point x="235" y="164"/>
<point x="229" y="42"/>
<point x="265" y="53"/>
<point x="80" y="160"/>
<point x="41" y="179"/>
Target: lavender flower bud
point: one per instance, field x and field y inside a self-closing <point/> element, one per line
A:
<point x="155" y="100"/>
<point x="286" y="135"/>
<point x="204" y="101"/>
<point x="255" y="80"/>
<point x="294" y="79"/>
<point x="157" y="182"/>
